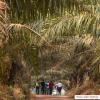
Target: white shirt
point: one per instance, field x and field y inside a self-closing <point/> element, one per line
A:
<point x="59" y="84"/>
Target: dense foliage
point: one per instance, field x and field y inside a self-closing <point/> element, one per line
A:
<point x="55" y="35"/>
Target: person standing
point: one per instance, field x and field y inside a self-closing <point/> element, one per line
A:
<point x="59" y="86"/>
<point x="43" y="87"/>
<point x="37" y="87"/>
<point x="51" y="85"/>
<point x="47" y="87"/>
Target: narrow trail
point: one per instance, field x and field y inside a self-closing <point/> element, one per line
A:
<point x="48" y="97"/>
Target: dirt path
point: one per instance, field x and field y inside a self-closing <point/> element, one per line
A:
<point x="46" y="97"/>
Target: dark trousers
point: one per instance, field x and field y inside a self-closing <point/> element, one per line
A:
<point x="43" y="90"/>
<point x="51" y="89"/>
<point x="47" y="91"/>
<point x="59" y="89"/>
<point x="37" y="90"/>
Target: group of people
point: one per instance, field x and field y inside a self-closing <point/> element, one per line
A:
<point x="47" y="87"/>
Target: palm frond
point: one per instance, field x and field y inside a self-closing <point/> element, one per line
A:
<point x="40" y="9"/>
<point x="27" y="30"/>
<point x="72" y="25"/>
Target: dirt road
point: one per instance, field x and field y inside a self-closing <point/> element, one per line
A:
<point x="47" y="97"/>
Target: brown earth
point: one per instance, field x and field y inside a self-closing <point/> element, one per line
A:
<point x="47" y="97"/>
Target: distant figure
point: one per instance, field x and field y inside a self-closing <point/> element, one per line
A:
<point x="37" y="87"/>
<point x="51" y="85"/>
<point x="59" y="86"/>
<point x="33" y="87"/>
<point x="47" y="87"/>
<point x="43" y="87"/>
